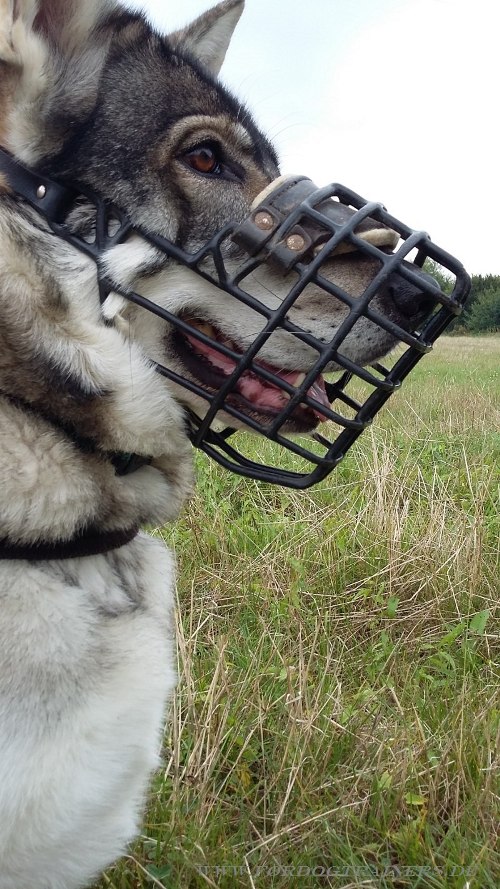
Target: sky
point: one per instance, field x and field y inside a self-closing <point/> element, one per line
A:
<point x="395" y="99"/>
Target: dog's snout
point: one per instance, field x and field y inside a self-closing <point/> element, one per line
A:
<point x="411" y="300"/>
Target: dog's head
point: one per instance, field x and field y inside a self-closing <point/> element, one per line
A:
<point x="92" y="94"/>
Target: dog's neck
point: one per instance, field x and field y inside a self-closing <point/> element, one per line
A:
<point x="89" y="540"/>
<point x="81" y="408"/>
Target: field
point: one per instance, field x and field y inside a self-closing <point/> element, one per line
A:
<point x="337" y="719"/>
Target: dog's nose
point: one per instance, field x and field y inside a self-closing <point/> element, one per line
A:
<point x="412" y="301"/>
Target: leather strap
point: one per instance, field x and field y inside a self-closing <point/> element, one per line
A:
<point x="48" y="197"/>
<point x="261" y="233"/>
<point x="91" y="541"/>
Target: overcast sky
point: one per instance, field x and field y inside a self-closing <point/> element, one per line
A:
<point x="396" y="99"/>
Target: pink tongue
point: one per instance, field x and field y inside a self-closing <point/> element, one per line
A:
<point x="257" y="391"/>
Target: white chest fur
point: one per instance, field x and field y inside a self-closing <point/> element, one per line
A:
<point x="86" y="666"/>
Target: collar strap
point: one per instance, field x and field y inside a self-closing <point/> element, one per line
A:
<point x="89" y="542"/>
<point x="48" y="197"/>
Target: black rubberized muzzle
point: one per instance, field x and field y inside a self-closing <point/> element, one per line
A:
<point x="299" y="231"/>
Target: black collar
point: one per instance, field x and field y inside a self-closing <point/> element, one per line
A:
<point x="50" y="198"/>
<point x="90" y="541"/>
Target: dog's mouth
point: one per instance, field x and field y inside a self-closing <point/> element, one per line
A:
<point x="252" y="394"/>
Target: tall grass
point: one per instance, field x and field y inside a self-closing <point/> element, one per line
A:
<point x="337" y="719"/>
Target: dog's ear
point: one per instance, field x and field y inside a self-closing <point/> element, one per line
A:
<point x="63" y="24"/>
<point x="208" y="37"/>
<point x="66" y="24"/>
<point x="51" y="55"/>
<point x="22" y="58"/>
<point x="16" y="17"/>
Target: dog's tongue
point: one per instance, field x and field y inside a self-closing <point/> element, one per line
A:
<point x="264" y="394"/>
<point x="258" y="391"/>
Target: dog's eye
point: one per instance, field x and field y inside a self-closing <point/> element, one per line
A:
<point x="204" y="159"/>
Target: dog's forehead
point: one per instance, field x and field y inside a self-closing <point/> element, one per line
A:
<point x="167" y="84"/>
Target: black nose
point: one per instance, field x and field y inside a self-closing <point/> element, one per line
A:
<point x="413" y="302"/>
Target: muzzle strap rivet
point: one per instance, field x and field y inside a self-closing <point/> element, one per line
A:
<point x="295" y="243"/>
<point x="41" y="192"/>
<point x="263" y="220"/>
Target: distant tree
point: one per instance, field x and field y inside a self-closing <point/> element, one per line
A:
<point x="445" y="281"/>
<point x="484" y="314"/>
<point x="481" y="285"/>
<point x="481" y="312"/>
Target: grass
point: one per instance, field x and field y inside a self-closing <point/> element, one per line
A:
<point x="337" y="719"/>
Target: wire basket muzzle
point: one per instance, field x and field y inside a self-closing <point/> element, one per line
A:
<point x="294" y="227"/>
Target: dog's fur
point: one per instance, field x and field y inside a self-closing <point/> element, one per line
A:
<point x="89" y="93"/>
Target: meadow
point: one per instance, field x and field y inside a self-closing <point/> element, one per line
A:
<point x="337" y="716"/>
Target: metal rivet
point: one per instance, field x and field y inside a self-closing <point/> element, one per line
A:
<point x="41" y="191"/>
<point x="263" y="220"/>
<point x="295" y="243"/>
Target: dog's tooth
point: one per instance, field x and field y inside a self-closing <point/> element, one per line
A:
<point x="299" y="379"/>
<point x="205" y="328"/>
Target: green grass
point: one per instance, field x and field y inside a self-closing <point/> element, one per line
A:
<point x="338" y="705"/>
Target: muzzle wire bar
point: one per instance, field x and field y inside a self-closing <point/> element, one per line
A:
<point x="331" y="221"/>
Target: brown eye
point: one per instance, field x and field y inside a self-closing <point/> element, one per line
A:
<point x="203" y="159"/>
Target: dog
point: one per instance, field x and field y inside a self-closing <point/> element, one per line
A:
<point x="90" y="93"/>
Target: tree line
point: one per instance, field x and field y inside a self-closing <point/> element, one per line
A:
<point x="481" y="312"/>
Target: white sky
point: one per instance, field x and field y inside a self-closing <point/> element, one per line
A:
<point x="396" y="99"/>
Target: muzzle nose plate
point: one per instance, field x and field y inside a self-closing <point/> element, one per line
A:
<point x="277" y="230"/>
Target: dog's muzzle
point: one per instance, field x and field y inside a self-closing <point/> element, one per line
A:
<point x="297" y="230"/>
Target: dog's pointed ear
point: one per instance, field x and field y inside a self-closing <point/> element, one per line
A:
<point x="10" y="13"/>
<point x="67" y="23"/>
<point x="208" y="37"/>
<point x="19" y="52"/>
<point x="64" y="24"/>
<point x="51" y="55"/>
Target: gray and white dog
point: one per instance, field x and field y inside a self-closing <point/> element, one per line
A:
<point x="90" y="93"/>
